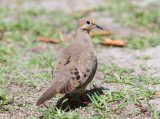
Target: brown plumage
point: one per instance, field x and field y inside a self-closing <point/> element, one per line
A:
<point x="76" y="64"/>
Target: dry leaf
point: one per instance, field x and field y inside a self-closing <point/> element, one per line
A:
<point x="142" y="109"/>
<point x="8" y="40"/>
<point x="117" y="42"/>
<point x="157" y="94"/>
<point x="52" y="40"/>
<point x="85" y="11"/>
<point x="99" y="33"/>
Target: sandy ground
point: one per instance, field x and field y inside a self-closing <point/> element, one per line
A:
<point x="123" y="57"/>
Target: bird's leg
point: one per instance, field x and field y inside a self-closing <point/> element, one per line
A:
<point x="69" y="99"/>
<point x="83" y="99"/>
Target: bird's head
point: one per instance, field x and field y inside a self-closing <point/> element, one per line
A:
<point x="88" y="24"/>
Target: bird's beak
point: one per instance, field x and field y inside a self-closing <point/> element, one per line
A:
<point x="99" y="27"/>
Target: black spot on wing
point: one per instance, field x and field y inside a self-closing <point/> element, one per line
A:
<point x="68" y="57"/>
<point x="68" y="60"/>
<point x="76" y="73"/>
<point x="84" y="74"/>
<point x="88" y="70"/>
<point x="78" y="77"/>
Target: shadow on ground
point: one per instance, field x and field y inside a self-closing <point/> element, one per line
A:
<point x="64" y="105"/>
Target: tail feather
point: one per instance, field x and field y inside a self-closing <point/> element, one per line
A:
<point x="50" y="93"/>
<point x="58" y="83"/>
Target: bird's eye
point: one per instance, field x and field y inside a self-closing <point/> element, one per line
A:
<point x="88" y="22"/>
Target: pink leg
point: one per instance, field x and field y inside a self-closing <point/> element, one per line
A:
<point x="83" y="99"/>
<point x="69" y="99"/>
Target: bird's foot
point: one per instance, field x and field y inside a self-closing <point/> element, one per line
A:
<point x="72" y="101"/>
<point x="69" y="99"/>
<point x="83" y="99"/>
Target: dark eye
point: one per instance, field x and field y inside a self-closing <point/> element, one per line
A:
<point x="88" y="22"/>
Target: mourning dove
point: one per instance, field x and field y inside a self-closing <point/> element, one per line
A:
<point x="76" y="64"/>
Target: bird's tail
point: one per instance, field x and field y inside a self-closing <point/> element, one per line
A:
<point x="58" y="83"/>
<point x="50" y="92"/>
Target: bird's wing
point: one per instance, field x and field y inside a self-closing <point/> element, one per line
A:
<point x="75" y="65"/>
<point x="81" y="64"/>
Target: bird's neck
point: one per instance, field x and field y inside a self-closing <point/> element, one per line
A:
<point x="82" y="36"/>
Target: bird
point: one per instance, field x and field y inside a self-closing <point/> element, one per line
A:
<point x="76" y="64"/>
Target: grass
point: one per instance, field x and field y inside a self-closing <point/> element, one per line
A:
<point x="118" y="103"/>
<point x="135" y="16"/>
<point x="26" y="64"/>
